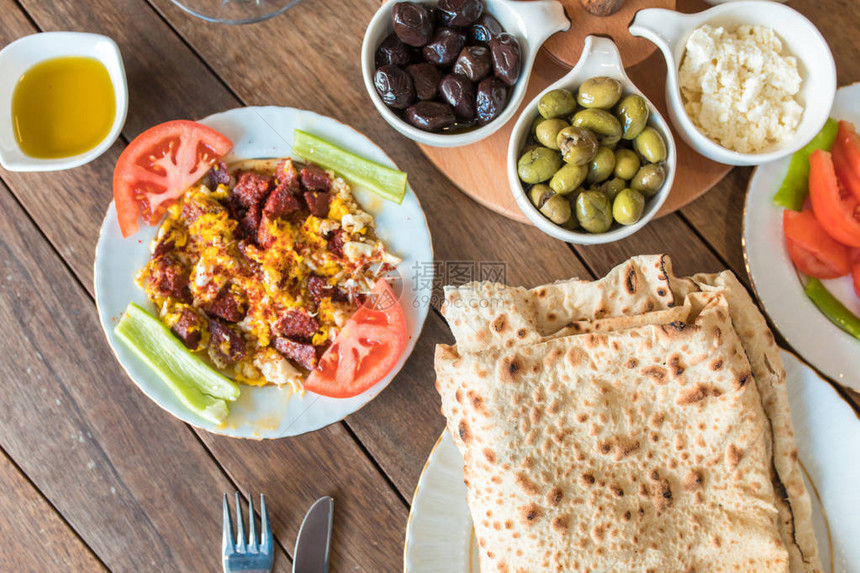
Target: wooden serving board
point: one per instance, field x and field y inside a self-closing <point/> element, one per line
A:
<point x="566" y="47"/>
<point x="480" y="169"/>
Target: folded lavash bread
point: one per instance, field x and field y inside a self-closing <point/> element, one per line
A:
<point x="640" y="449"/>
<point x="515" y="316"/>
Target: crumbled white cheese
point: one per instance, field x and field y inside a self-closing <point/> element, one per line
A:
<point x="327" y="226"/>
<point x="276" y="369"/>
<point x="355" y="251"/>
<point x="355" y="223"/>
<point x="739" y="88"/>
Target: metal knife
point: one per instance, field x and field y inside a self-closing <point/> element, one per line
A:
<point x="312" y="544"/>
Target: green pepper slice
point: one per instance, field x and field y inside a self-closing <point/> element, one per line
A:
<point x="832" y="308"/>
<point x="795" y="187"/>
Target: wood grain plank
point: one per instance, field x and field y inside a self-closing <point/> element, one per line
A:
<point x="36" y="538"/>
<point x="135" y="484"/>
<point x="718" y="217"/>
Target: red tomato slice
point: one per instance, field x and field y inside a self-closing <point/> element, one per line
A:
<point x="365" y="350"/>
<point x="158" y="166"/>
<point x="836" y="209"/>
<point x="855" y="270"/>
<point x="846" y="158"/>
<point x="813" y="251"/>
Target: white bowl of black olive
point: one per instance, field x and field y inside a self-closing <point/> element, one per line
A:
<point x="448" y="73"/>
<point x="590" y="159"/>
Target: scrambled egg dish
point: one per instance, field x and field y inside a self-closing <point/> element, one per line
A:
<point x="260" y="267"/>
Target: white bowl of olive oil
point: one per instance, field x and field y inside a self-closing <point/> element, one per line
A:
<point x="65" y="96"/>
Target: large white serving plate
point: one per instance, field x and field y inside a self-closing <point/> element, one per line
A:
<point x="270" y="412"/>
<point x="777" y="283"/>
<point x="439" y="536"/>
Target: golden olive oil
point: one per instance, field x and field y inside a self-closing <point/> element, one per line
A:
<point x="63" y="107"/>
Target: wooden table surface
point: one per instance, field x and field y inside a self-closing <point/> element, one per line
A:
<point x="98" y="477"/>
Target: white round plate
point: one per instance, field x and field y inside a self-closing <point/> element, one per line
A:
<point x="269" y="411"/>
<point x="439" y="536"/>
<point x="776" y="282"/>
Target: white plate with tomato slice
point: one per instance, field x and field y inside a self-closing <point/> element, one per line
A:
<point x="778" y="282"/>
<point x="269" y="411"/>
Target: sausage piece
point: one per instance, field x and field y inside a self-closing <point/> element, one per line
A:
<point x="251" y="188"/>
<point x="226" y="346"/>
<point x="188" y="328"/>
<point x="168" y="278"/>
<point x="282" y="201"/>
<point x="226" y="306"/>
<point x="218" y="175"/>
<point x="296" y="324"/>
<point x="314" y="178"/>
<point x="286" y="174"/>
<point x="303" y="354"/>
<point x="318" y="202"/>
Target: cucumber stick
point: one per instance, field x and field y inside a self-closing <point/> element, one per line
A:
<point x="200" y="387"/>
<point x="384" y="181"/>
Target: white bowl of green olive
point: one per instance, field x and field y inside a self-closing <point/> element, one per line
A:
<point x="590" y="159"/>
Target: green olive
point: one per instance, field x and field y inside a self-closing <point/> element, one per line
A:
<point x="538" y="165"/>
<point x="593" y="211"/>
<point x="552" y="206"/>
<point x="537" y="121"/>
<point x="568" y="178"/>
<point x="613" y="187"/>
<point x="650" y="145"/>
<point x="602" y="123"/>
<point x="626" y="163"/>
<point x="556" y="209"/>
<point x="572" y="223"/>
<point x="628" y="206"/>
<point x="633" y="113"/>
<point x="649" y="179"/>
<point x="557" y="103"/>
<point x="540" y="194"/>
<point x="578" y="145"/>
<point x="600" y="92"/>
<point x="601" y="165"/>
<point x="547" y="132"/>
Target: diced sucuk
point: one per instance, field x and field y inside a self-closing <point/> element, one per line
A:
<point x="303" y="354"/>
<point x="226" y="306"/>
<point x="188" y="328"/>
<point x="296" y="324"/>
<point x="225" y="344"/>
<point x="282" y="201"/>
<point x="314" y="178"/>
<point x="318" y="202"/>
<point x="251" y="188"/>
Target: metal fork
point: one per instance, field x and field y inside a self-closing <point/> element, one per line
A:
<point x="247" y="557"/>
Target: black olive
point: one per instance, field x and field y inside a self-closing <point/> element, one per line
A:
<point x="425" y="78"/>
<point x="474" y="62"/>
<point x="412" y="23"/>
<point x="394" y="86"/>
<point x="392" y="52"/>
<point x="430" y="115"/>
<point x="445" y="46"/>
<point x="459" y="92"/>
<point x="491" y="100"/>
<point x="462" y="12"/>
<point x="485" y="29"/>
<point x="506" y="58"/>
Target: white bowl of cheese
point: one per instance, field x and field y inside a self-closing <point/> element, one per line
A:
<point x="747" y="110"/>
